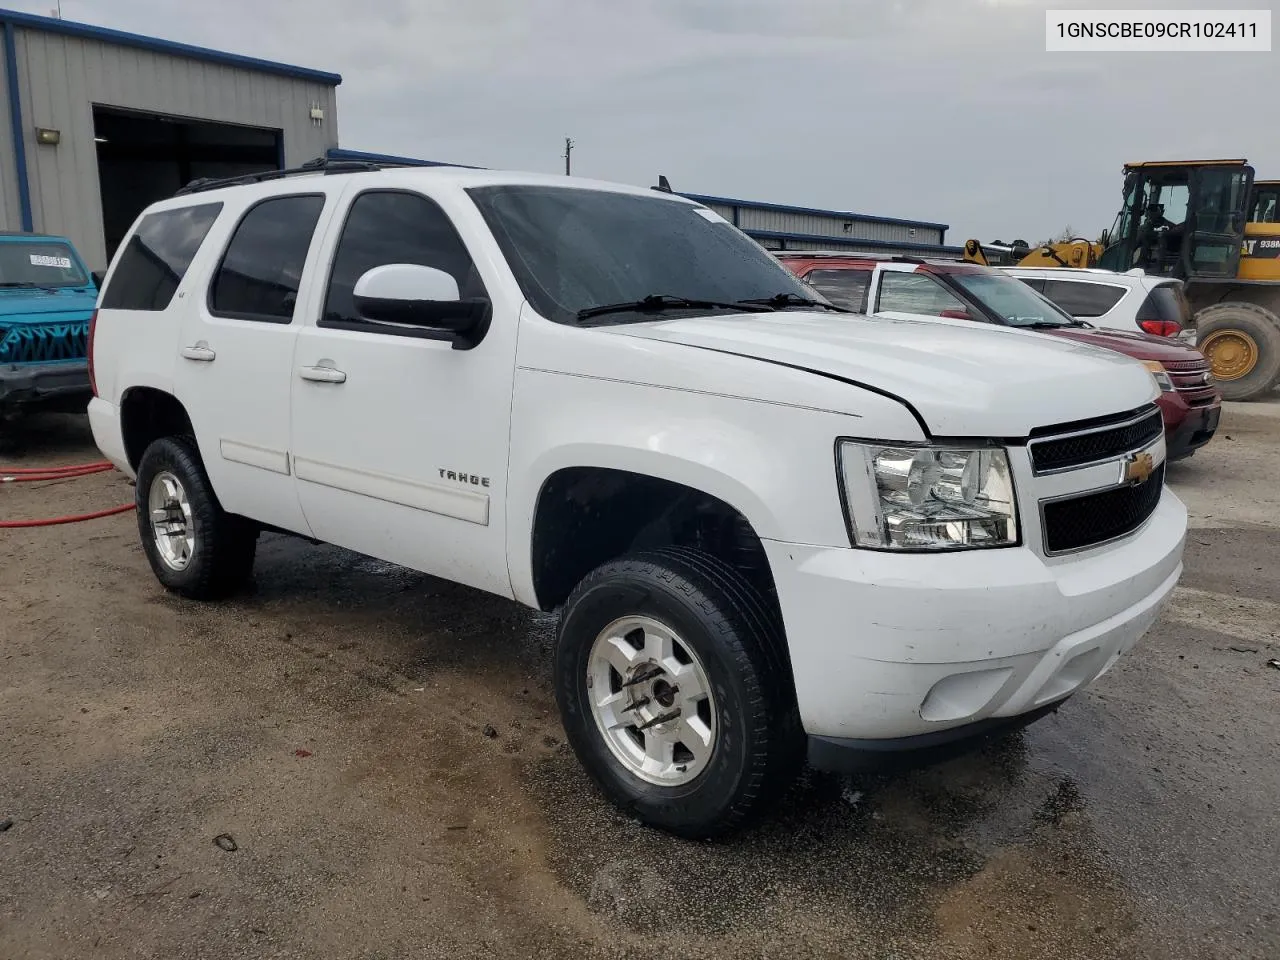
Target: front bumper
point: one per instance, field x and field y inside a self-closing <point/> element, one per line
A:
<point x="63" y="385"/>
<point x="886" y="646"/>
<point x="1193" y="431"/>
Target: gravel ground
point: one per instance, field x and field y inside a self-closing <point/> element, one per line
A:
<point x="332" y="724"/>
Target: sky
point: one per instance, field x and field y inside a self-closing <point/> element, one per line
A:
<point x="939" y="110"/>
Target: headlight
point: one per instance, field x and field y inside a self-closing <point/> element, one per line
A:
<point x="928" y="498"/>
<point x="1159" y="374"/>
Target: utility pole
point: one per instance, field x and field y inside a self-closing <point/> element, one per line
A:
<point x="568" y="150"/>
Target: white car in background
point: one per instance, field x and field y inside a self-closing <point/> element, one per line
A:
<point x="1134" y="302"/>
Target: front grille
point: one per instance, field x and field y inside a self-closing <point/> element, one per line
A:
<point x="44" y="342"/>
<point x="1091" y="446"/>
<point x="1192" y="380"/>
<point x="1093" y="518"/>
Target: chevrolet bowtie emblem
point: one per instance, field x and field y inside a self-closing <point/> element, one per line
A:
<point x="1138" y="468"/>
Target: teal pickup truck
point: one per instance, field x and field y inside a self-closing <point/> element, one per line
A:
<point x="46" y="300"/>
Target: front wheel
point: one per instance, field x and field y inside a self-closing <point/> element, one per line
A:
<point x="673" y="688"/>
<point x="1242" y="344"/>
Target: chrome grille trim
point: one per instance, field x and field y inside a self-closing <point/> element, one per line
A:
<point x="1140" y="442"/>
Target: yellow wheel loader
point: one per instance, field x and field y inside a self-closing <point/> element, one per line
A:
<point x="1209" y="224"/>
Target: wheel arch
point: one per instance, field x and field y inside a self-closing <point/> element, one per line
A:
<point x="590" y="507"/>
<point x="146" y="414"/>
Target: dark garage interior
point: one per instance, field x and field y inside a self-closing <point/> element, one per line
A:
<point x="144" y="157"/>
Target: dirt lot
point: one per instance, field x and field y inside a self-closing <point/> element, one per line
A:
<point x="333" y="724"/>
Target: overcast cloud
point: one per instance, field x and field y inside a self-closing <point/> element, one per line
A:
<point x="946" y="110"/>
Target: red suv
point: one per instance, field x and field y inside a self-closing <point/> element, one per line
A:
<point x="951" y="290"/>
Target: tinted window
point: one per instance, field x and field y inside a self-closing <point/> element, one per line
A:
<point x="915" y="293"/>
<point x="156" y="258"/>
<point x="844" y="288"/>
<point x="1167" y="301"/>
<point x="260" y="272"/>
<point x="1082" y="299"/>
<point x="572" y="249"/>
<point x="39" y="263"/>
<point x="1035" y="283"/>
<point x="395" y="227"/>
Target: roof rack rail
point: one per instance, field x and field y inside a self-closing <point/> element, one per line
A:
<point x="319" y="165"/>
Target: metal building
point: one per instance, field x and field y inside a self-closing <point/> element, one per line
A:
<point x="777" y="226"/>
<point x="101" y="123"/>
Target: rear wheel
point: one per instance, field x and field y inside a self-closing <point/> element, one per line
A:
<point x="672" y="692"/>
<point x="1242" y="343"/>
<point x="195" y="548"/>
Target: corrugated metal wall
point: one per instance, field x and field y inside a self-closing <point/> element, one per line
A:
<point x="61" y="78"/>
<point x="911" y="249"/>
<point x="817" y="225"/>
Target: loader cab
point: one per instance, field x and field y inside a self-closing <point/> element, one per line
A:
<point x="1182" y="220"/>
<point x="1264" y="207"/>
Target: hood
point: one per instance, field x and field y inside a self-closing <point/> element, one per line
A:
<point x="963" y="381"/>
<point x="25" y="303"/>
<point x="1141" y="346"/>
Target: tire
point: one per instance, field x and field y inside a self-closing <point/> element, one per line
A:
<point x="1249" y="322"/>
<point x="731" y="633"/>
<point x="221" y="548"/>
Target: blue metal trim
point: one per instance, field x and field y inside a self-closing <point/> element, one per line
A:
<point x="813" y="211"/>
<point x="15" y="123"/>
<point x="831" y="242"/>
<point x="89" y="32"/>
<point x="341" y="153"/>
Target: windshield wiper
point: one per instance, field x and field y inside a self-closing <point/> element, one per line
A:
<point x="780" y="300"/>
<point x="657" y="302"/>
<point x="17" y="283"/>
<point x="1037" y="324"/>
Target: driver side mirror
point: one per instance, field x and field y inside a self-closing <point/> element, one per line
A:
<point x="98" y="276"/>
<point x="412" y="295"/>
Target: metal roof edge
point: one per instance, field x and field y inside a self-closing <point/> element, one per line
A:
<point x="788" y="208"/>
<point x="847" y="242"/>
<point x="72" y="28"/>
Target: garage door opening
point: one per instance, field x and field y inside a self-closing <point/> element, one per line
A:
<point x="143" y="158"/>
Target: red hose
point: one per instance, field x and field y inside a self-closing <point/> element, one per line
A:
<point x="5" y="477"/>
<point x="70" y="472"/>
<point x="17" y="471"/>
<point x="74" y="518"/>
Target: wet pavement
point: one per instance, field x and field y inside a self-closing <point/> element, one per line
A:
<point x="332" y="722"/>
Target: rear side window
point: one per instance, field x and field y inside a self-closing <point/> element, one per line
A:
<point x="157" y="256"/>
<point x="915" y="293"/>
<point x="1081" y="299"/>
<point x="261" y="270"/>
<point x="844" y="288"/>
<point x="392" y="226"/>
<point x="1166" y="301"/>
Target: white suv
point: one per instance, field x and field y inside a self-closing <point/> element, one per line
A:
<point x="763" y="523"/>
<point x="1134" y="302"/>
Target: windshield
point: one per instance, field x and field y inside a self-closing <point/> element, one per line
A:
<point x="45" y="263"/>
<point x="1014" y="301"/>
<point x="575" y="249"/>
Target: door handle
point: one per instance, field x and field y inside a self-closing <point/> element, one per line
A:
<point x="322" y="374"/>
<point x="201" y="352"/>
